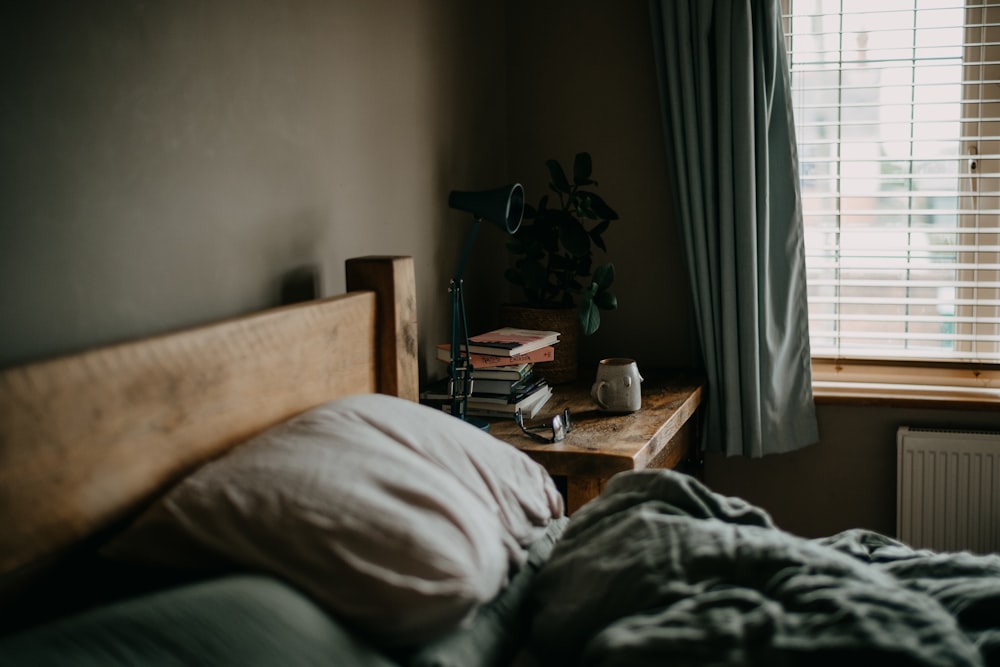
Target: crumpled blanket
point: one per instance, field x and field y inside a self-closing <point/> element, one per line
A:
<point x="661" y="570"/>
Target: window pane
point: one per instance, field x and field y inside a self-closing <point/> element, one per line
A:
<point x="897" y="121"/>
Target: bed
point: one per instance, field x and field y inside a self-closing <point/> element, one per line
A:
<point x="267" y="490"/>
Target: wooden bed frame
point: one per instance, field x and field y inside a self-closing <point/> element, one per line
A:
<point x="87" y="440"/>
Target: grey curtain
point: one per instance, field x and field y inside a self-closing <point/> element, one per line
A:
<point x="731" y="141"/>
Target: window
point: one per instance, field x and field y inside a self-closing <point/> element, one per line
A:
<point x="897" y="113"/>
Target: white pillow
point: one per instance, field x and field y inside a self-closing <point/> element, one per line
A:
<point x="397" y="517"/>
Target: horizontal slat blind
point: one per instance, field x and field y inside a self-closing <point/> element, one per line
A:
<point x="897" y="111"/>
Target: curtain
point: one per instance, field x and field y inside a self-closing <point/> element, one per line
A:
<point x="730" y="138"/>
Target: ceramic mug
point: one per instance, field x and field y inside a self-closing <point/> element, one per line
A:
<point x="617" y="385"/>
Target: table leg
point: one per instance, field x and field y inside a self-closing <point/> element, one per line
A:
<point x="581" y="490"/>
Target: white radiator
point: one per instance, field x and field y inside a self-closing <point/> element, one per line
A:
<point x="948" y="489"/>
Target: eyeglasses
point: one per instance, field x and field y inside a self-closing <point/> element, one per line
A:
<point x="561" y="425"/>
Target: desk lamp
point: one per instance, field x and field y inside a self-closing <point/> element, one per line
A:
<point x="504" y="207"/>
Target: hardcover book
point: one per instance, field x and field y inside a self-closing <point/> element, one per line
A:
<point x="540" y="355"/>
<point x="490" y="387"/>
<point x="511" y="341"/>
<point x="529" y="406"/>
<point x="484" y="392"/>
<point x="511" y="373"/>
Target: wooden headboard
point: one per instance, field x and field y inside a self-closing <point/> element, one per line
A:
<point x="87" y="440"/>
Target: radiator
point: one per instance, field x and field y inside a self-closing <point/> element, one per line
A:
<point x="948" y="489"/>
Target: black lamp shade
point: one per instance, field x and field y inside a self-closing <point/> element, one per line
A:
<point x="503" y="207"/>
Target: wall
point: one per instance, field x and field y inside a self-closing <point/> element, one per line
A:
<point x="582" y="79"/>
<point x="847" y="480"/>
<point x="167" y="164"/>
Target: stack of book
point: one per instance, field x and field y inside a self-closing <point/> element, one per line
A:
<point x="504" y="378"/>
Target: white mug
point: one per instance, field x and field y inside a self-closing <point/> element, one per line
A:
<point x="617" y="386"/>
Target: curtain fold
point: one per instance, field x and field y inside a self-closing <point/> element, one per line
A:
<point x="730" y="139"/>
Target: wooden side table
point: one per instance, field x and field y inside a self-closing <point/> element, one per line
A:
<point x="660" y="435"/>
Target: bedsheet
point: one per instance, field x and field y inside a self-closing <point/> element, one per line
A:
<point x="661" y="570"/>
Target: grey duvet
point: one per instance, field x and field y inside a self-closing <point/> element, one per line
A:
<point x="659" y="570"/>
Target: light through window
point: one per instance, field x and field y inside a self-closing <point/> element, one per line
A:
<point x="897" y="112"/>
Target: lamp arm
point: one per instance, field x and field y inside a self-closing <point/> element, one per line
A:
<point x="460" y="368"/>
<point x="463" y="259"/>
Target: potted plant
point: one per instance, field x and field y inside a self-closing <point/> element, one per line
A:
<point x="554" y="251"/>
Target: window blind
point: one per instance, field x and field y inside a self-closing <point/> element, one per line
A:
<point x="897" y="113"/>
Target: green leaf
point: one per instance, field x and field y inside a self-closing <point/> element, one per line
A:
<point x="533" y="274"/>
<point x="526" y="242"/>
<point x="582" y="168"/>
<point x="604" y="275"/>
<point x="596" y="234"/>
<point x="589" y="317"/>
<point x="558" y="217"/>
<point x="549" y="239"/>
<point x="599" y="206"/>
<point x="600" y="227"/>
<point x="562" y="263"/>
<point x="574" y="238"/>
<point x="606" y="300"/>
<point x="583" y="209"/>
<point x="559" y="182"/>
<point x="535" y="251"/>
<point x="554" y="253"/>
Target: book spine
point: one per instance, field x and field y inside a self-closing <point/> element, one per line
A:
<point x="499" y="411"/>
<point x="510" y="397"/>
<point x="540" y="355"/>
<point x="510" y="341"/>
<point x="513" y="373"/>
<point x="492" y="387"/>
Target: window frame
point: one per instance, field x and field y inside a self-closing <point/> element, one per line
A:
<point x="920" y="382"/>
<point x="906" y="383"/>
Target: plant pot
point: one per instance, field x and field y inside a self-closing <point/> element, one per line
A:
<point x="564" y="368"/>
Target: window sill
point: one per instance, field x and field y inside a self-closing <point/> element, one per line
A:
<point x="899" y="384"/>
<point x="905" y="396"/>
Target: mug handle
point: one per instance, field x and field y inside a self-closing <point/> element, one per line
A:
<point x="595" y="393"/>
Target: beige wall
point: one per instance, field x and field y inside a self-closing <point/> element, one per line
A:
<point x="582" y="78"/>
<point x="166" y="164"/>
<point x="847" y="480"/>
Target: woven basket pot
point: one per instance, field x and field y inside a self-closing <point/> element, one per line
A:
<point x="564" y="368"/>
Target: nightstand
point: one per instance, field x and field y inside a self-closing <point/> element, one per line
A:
<point x="660" y="435"/>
